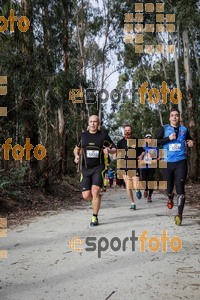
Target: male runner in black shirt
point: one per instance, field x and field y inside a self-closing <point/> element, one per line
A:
<point x="130" y="161"/>
<point x="93" y="144"/>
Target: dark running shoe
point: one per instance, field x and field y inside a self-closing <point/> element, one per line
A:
<point x="145" y="194"/>
<point x="149" y="199"/>
<point x="133" y="206"/>
<point x="94" y="221"/>
<point x="138" y="194"/>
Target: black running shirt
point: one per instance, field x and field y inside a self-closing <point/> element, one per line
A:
<point x="92" y="145"/>
<point x="122" y="144"/>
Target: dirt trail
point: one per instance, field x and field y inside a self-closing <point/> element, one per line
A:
<point x="41" y="265"/>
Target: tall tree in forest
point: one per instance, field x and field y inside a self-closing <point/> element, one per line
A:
<point x="190" y="107"/>
<point x="187" y="16"/>
<point x="28" y="107"/>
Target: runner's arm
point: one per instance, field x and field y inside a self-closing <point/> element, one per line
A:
<point x="111" y="148"/>
<point x="76" y="154"/>
<point x="77" y="150"/>
<point x="189" y="139"/>
<point x="161" y="140"/>
<point x="139" y="151"/>
<point x="141" y="155"/>
<point x="111" y="151"/>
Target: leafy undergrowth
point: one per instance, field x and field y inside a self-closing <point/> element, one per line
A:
<point x="192" y="191"/>
<point x="20" y="203"/>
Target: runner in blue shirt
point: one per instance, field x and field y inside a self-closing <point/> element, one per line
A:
<point x="173" y="138"/>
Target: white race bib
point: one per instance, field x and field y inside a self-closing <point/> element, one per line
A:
<point x="175" y="147"/>
<point x="92" y="153"/>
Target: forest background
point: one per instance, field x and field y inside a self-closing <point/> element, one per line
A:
<point x="80" y="44"/>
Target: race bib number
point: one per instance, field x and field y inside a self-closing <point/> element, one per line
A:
<point x="175" y="147"/>
<point x="147" y="158"/>
<point x="92" y="153"/>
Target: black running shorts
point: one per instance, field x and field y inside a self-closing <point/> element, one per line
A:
<point x="92" y="176"/>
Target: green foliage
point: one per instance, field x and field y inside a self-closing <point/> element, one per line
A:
<point x="14" y="177"/>
<point x="45" y="63"/>
<point x="4" y="185"/>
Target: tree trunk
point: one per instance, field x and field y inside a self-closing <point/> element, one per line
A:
<point x="81" y="28"/>
<point x="61" y="139"/>
<point x="30" y="129"/>
<point x="158" y="107"/>
<point x="62" y="134"/>
<point x="106" y="6"/>
<point x="193" y="154"/>
<point x="197" y="60"/>
<point x="176" y="57"/>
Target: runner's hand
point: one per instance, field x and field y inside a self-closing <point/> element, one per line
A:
<point x="76" y="160"/>
<point x="106" y="150"/>
<point x="190" y="143"/>
<point x="172" y="136"/>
